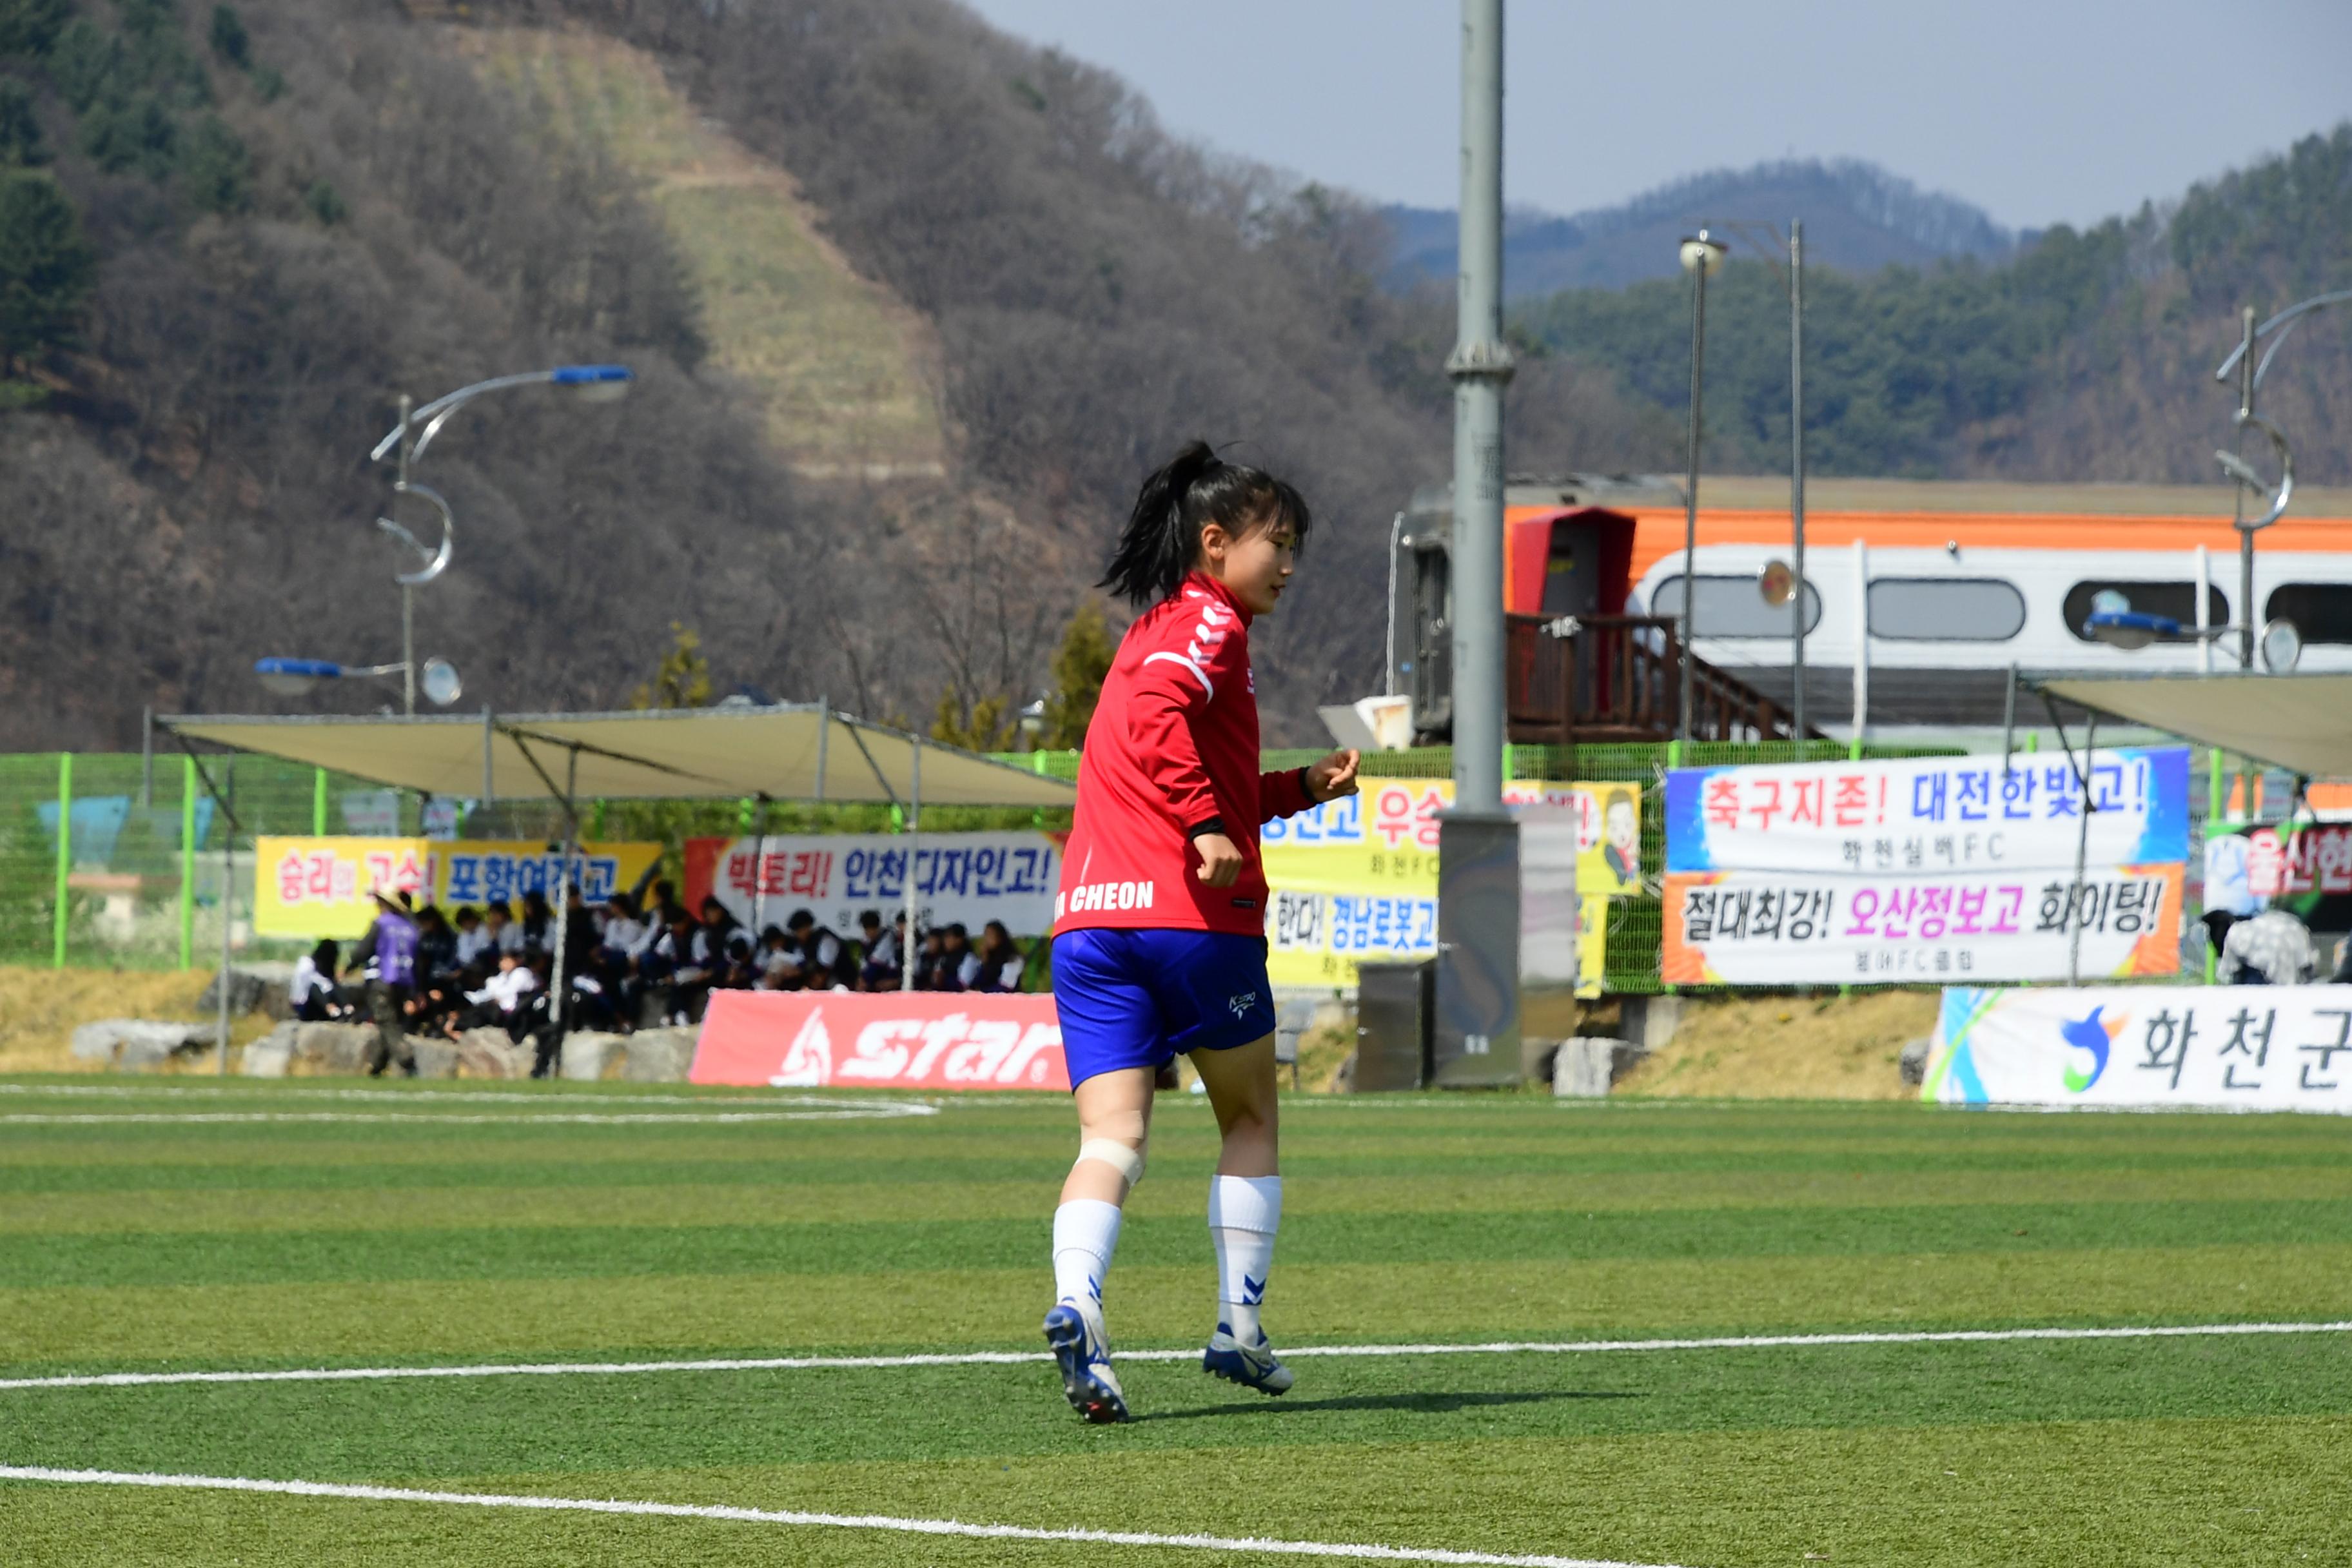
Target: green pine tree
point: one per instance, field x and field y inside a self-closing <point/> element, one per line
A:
<point x="46" y="268"/>
<point x="1079" y="666"/>
<point x="215" y="168"/>
<point x="20" y="127"/>
<point x="30" y="28"/>
<point x="229" y="39"/>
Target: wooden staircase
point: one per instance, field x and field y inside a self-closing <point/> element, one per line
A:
<point x="1595" y="679"/>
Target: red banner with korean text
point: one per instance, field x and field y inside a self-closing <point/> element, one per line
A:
<point x="885" y="1040"/>
<point x="969" y="879"/>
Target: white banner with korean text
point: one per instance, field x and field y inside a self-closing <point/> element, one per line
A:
<point x="2238" y="1048"/>
<point x="1798" y="928"/>
<point x="1938" y="868"/>
<point x="960" y="879"/>
<point x="1931" y="815"/>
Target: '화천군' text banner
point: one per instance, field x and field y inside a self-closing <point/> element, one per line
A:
<point x="1931" y="816"/>
<point x="2285" y="1047"/>
<point x="1782" y="927"/>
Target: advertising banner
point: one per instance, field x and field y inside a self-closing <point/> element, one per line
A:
<point x="2286" y="1048"/>
<point x="1356" y="878"/>
<point x="321" y="887"/>
<point x="1925" y="868"/>
<point x="1762" y="928"/>
<point x="2314" y="857"/>
<point x="889" y="1040"/>
<point x="960" y="879"/>
<point x="1929" y="815"/>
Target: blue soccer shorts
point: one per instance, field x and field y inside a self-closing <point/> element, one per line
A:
<point x="1142" y="998"/>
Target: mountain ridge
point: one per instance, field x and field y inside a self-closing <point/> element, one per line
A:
<point x="1859" y="216"/>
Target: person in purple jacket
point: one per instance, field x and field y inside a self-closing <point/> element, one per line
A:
<point x="392" y="992"/>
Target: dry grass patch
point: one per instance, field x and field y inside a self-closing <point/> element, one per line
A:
<point x="1770" y="1047"/>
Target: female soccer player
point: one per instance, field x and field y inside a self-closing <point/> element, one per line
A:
<point x="1159" y="926"/>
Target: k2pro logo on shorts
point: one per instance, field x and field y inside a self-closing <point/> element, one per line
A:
<point x="1241" y="1005"/>
<point x="1089" y="896"/>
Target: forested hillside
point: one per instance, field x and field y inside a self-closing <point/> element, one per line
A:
<point x="911" y="305"/>
<point x="2088" y="357"/>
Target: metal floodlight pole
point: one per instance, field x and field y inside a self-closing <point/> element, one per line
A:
<point x="2238" y="497"/>
<point x="914" y="840"/>
<point x="407" y="590"/>
<point x="1480" y="366"/>
<point x="1701" y="254"/>
<point x="1796" y="476"/>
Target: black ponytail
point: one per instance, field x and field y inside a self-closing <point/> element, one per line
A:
<point x="1196" y="486"/>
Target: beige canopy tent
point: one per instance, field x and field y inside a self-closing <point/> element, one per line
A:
<point x="791" y="751"/>
<point x="2299" y="722"/>
<point x="729" y="752"/>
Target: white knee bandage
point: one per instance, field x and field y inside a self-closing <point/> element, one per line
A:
<point x="1127" y="1161"/>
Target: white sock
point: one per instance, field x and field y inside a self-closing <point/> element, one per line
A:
<point x="1085" y="1233"/>
<point x="1243" y="1214"/>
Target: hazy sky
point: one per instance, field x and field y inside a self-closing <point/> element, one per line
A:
<point x="2037" y="111"/>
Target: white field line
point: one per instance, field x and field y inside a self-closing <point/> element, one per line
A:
<point x="625" y="1117"/>
<point x="1017" y="1358"/>
<point x="795" y="1517"/>
<point x="491" y="1096"/>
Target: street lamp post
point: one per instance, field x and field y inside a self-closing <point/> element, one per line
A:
<point x="1701" y="255"/>
<point x="417" y="426"/>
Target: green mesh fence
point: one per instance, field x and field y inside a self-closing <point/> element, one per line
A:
<point x="142" y="867"/>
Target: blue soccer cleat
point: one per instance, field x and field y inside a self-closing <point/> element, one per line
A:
<point x="1252" y="1366"/>
<point x="1080" y="1350"/>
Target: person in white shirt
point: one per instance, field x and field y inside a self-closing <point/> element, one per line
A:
<point x="477" y="948"/>
<point x="316" y="997"/>
<point x="780" y="967"/>
<point x="821" y="951"/>
<point x="499" y="1005"/>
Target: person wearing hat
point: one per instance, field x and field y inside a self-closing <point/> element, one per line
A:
<point x="393" y="939"/>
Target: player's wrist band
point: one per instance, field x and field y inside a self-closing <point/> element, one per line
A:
<point x="1214" y="825"/>
<point x="1307" y="785"/>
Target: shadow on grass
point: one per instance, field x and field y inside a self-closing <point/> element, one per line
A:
<point x="1419" y="1403"/>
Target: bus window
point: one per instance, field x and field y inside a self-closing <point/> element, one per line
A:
<point x="1946" y="609"/>
<point x="1731" y="607"/>
<point x="2177" y="600"/>
<point x="2322" y="611"/>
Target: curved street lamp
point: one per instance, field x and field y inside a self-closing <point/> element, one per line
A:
<point x="594" y="383"/>
<point x="2249" y="373"/>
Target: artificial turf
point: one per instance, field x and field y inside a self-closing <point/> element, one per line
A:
<point x="178" y="1244"/>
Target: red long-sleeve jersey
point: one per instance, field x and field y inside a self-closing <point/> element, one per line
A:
<point x="1173" y="745"/>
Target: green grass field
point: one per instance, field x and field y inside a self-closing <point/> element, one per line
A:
<point x="348" y="1231"/>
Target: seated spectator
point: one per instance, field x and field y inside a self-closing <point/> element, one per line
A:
<point x="476" y="947"/>
<point x="2273" y="948"/>
<point x="317" y="998"/>
<point x="958" y="964"/>
<point x="538" y="922"/>
<point x="1001" y="962"/>
<point x="681" y="959"/>
<point x="720" y="921"/>
<point x="779" y="964"/>
<point x="497" y="925"/>
<point x="929" y="956"/>
<point x="437" y="947"/>
<point x="825" y="960"/>
<point x="498" y="1004"/>
<point x="663" y="907"/>
<point x="880" y="970"/>
<point x="739" y="967"/>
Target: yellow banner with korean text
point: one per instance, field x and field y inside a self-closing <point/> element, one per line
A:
<point x="323" y="886"/>
<point x="1356" y="878"/>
